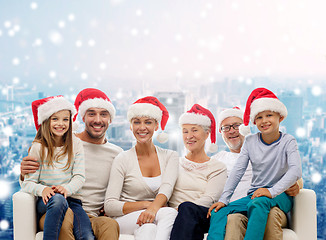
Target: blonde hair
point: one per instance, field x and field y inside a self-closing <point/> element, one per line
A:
<point x="45" y="137"/>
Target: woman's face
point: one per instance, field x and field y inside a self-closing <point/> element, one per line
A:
<point x="194" y="137"/>
<point x="143" y="128"/>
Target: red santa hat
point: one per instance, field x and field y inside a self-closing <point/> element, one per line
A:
<point x="262" y="99"/>
<point x="44" y="108"/>
<point x="93" y="98"/>
<point x="229" y="112"/>
<point x="201" y="116"/>
<point x="153" y="108"/>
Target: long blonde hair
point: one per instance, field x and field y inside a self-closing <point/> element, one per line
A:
<point x="45" y="137"/>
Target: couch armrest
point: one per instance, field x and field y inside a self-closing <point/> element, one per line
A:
<point x="24" y="216"/>
<point x="304" y="217"/>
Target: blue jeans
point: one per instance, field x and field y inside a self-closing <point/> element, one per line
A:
<point x="257" y="211"/>
<point x="191" y="222"/>
<point x="55" y="211"/>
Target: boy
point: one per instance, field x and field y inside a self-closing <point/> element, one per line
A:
<point x="276" y="166"/>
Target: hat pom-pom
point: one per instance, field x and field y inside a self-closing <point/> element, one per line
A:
<point x="75" y="126"/>
<point x="244" y="130"/>
<point x="213" y="148"/>
<point x="162" y="137"/>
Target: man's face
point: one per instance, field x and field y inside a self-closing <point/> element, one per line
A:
<point x="232" y="138"/>
<point x="96" y="122"/>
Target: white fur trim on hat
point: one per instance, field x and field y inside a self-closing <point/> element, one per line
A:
<point x="244" y="130"/>
<point x="265" y="104"/>
<point x="54" y="105"/>
<point x="193" y="118"/>
<point x="97" y="103"/>
<point x="144" y="110"/>
<point x="230" y="112"/>
<point x="213" y="148"/>
<point x="162" y="137"/>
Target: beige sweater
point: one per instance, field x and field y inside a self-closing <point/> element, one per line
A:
<point x="200" y="183"/>
<point x="126" y="182"/>
<point x="98" y="161"/>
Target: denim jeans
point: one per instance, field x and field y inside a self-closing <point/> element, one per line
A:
<point x="55" y="211"/>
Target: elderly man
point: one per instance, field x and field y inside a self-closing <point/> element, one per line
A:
<point x="97" y="113"/>
<point x="192" y="223"/>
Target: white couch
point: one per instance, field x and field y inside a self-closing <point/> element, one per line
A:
<point x="303" y="225"/>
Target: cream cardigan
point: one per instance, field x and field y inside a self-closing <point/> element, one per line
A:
<point x="126" y="182"/>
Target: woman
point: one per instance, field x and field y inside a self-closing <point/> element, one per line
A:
<point x="201" y="178"/>
<point x="142" y="178"/>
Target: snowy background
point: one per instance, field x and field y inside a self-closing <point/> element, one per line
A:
<point x="132" y="48"/>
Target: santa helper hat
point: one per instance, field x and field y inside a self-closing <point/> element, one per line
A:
<point x="261" y="99"/>
<point x="153" y="108"/>
<point x="229" y="112"/>
<point x="201" y="116"/>
<point x="44" y="108"/>
<point x="93" y="98"/>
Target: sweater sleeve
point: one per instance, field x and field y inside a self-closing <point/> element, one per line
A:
<point x="236" y="174"/>
<point x="31" y="181"/>
<point x="215" y="183"/>
<point x="112" y="205"/>
<point x="78" y="169"/>
<point x="169" y="174"/>
<point x="293" y="173"/>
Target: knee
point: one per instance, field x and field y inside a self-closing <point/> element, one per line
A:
<point x="186" y="208"/>
<point x="58" y="201"/>
<point x="258" y="202"/>
<point x="167" y="213"/>
<point x="237" y="220"/>
<point x="276" y="217"/>
<point x="104" y="227"/>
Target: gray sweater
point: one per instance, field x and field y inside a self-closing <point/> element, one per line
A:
<point x="275" y="166"/>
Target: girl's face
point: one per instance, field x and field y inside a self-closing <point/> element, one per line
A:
<point x="59" y="123"/>
<point x="143" y="128"/>
<point x="194" y="137"/>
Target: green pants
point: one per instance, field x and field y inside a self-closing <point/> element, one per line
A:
<point x="256" y="209"/>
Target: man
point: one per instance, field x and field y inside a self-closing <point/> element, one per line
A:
<point x="97" y="113"/>
<point x="192" y="221"/>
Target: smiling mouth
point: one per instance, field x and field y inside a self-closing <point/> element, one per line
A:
<point x="233" y="137"/>
<point x="59" y="129"/>
<point x="97" y="127"/>
<point x="142" y="134"/>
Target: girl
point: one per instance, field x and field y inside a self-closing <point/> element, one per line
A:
<point x="62" y="170"/>
<point x="142" y="178"/>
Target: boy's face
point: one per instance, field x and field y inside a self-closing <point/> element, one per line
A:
<point x="268" y="122"/>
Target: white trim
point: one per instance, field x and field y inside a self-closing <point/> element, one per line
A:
<point x="265" y="104"/>
<point x="96" y="103"/>
<point x="194" y="118"/>
<point x="144" y="110"/>
<point x="230" y="112"/>
<point x="54" y="105"/>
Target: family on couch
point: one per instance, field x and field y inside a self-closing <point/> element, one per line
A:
<point x="150" y="192"/>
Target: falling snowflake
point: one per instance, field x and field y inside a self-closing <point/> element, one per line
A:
<point x="55" y="37"/>
<point x="16" y="61"/>
<point x="34" y="5"/>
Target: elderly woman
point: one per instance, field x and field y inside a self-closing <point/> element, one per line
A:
<point x="142" y="178"/>
<point x="201" y="178"/>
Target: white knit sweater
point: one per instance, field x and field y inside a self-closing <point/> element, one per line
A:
<point x="126" y="182"/>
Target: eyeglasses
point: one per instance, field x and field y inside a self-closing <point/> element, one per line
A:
<point x="227" y="128"/>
